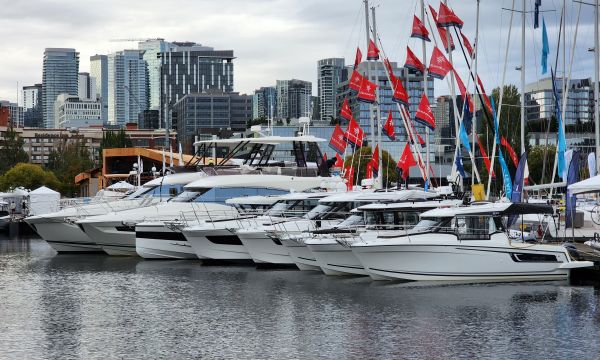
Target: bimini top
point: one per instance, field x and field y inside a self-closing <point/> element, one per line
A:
<point x="407" y="205"/>
<point x="254" y="200"/>
<point x="503" y="208"/>
<point x="274" y="140"/>
<point x="280" y="182"/>
<point x="176" y="179"/>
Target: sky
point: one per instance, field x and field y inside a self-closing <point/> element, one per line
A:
<point x="276" y="39"/>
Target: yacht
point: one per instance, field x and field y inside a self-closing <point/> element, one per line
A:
<point x="60" y="229"/>
<point x="331" y="247"/>
<point x="466" y="244"/>
<point x="202" y="199"/>
<point x="331" y="211"/>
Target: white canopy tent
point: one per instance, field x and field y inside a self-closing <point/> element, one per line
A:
<point x="43" y="201"/>
<point x="121" y="185"/>
<point x="586" y="186"/>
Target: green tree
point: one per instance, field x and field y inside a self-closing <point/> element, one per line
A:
<point x="114" y="140"/>
<point x="535" y="161"/>
<point x="11" y="150"/>
<point x="29" y="176"/>
<point x="360" y="159"/>
<point x="67" y="161"/>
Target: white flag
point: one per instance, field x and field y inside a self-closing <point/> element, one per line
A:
<point x="592" y="164"/>
<point x="171" y="151"/>
<point x="180" y="155"/>
<point x="164" y="163"/>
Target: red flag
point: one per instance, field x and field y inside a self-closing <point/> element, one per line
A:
<point x="338" y="141"/>
<point x="388" y="127"/>
<point x="424" y="114"/>
<point x="369" y="172"/>
<point x="354" y="134"/>
<point x="439" y="66"/>
<point x="366" y="92"/>
<point x="388" y="67"/>
<point x="486" y="160"/>
<point x="463" y="92"/>
<point x="467" y="44"/>
<point x="511" y="151"/>
<point x="357" y="58"/>
<point x="413" y="62"/>
<point x="339" y="162"/>
<point x="349" y="176"/>
<point x="419" y="30"/>
<point x="375" y="160"/>
<point x="400" y="95"/>
<point x="346" y="111"/>
<point x="355" y="80"/>
<point x="373" y="51"/>
<point x="325" y="157"/>
<point x="442" y="31"/>
<point x="448" y="18"/>
<point x="406" y="161"/>
<point x="421" y="141"/>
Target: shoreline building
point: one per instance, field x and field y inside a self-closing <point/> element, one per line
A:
<point x="190" y="68"/>
<point x="31" y="100"/>
<point x="264" y="103"/>
<point x="60" y="75"/>
<point x="99" y="72"/>
<point x="293" y="99"/>
<point x="127" y="87"/>
<point x="74" y="112"/>
<point x="331" y="72"/>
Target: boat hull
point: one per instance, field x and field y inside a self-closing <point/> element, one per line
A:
<point x="114" y="238"/>
<point x="65" y="237"/>
<point x="223" y="244"/>
<point x="335" y="259"/>
<point x="264" y="249"/>
<point x="157" y="241"/>
<point x="301" y="255"/>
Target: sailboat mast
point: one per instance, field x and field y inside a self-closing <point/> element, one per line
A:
<point x="596" y="75"/>
<point x="371" y="117"/>
<point x="523" y="79"/>
<point x="474" y="122"/>
<point x="379" y="183"/>
<point x="425" y="70"/>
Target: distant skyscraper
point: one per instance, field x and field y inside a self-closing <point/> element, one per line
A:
<point x="99" y="71"/>
<point x="293" y="99"/>
<point x="152" y="48"/>
<point x="190" y="68"/>
<point x="127" y="86"/>
<point x="31" y="100"/>
<point x="86" y="86"/>
<point x="75" y="112"/>
<point x="331" y="72"/>
<point x="264" y="103"/>
<point x="59" y="76"/>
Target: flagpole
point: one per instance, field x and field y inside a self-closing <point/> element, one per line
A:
<point x="371" y="115"/>
<point x="473" y="122"/>
<point x="523" y="79"/>
<point x="379" y="183"/>
<point x="425" y="75"/>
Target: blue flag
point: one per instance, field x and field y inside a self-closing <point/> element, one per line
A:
<point x="458" y="162"/>
<point x="467" y="118"/>
<point x="505" y="173"/>
<point x="545" y="48"/>
<point x="562" y="143"/>
<point x="572" y="177"/>
<point x="517" y="190"/>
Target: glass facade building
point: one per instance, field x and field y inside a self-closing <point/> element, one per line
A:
<point x="331" y="72"/>
<point x="99" y="71"/>
<point x="127" y="86"/>
<point x="31" y="101"/>
<point x="152" y="48"/>
<point x="264" y="103"/>
<point x="60" y="75"/>
<point x="293" y="99"/>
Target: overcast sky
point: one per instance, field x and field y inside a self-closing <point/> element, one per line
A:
<point x="271" y="39"/>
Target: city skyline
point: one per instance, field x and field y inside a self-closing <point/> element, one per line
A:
<point x="272" y="40"/>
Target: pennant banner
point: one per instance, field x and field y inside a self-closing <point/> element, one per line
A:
<point x="354" y="134"/>
<point x="338" y="141"/>
<point x="357" y="57"/>
<point x="413" y="62"/>
<point x="442" y="31"/>
<point x="372" y="51"/>
<point x="366" y="92"/>
<point x="467" y="45"/>
<point x="339" y="162"/>
<point x="562" y="143"/>
<point x="355" y="80"/>
<point x="439" y="66"/>
<point x="419" y="30"/>
<point x="592" y="164"/>
<point x="388" y="127"/>
<point x="447" y="17"/>
<point x="572" y="177"/>
<point x="375" y="160"/>
<point x="346" y="111"/>
<point x="505" y="173"/>
<point x="424" y="114"/>
<point x="406" y="162"/>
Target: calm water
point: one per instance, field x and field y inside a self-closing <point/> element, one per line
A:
<point x="81" y="306"/>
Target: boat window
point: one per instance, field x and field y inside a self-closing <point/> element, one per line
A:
<point x="352" y="220"/>
<point x="431" y="224"/>
<point x="141" y="191"/>
<point x="392" y="219"/>
<point x="474" y="227"/>
<point x="279" y="208"/>
<point x="188" y="196"/>
<point x="219" y="195"/>
<point x="318" y="211"/>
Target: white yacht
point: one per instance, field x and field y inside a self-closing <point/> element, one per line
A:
<point x="202" y="199"/>
<point x="331" y="248"/>
<point x="331" y="211"/>
<point x="60" y="229"/>
<point x="467" y="244"/>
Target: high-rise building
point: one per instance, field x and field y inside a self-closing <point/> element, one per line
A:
<point x="127" y="86"/>
<point x="31" y="101"/>
<point x="293" y="99"/>
<point x="73" y="112"/>
<point x="86" y="86"/>
<point x="539" y="100"/>
<point x="264" y="103"/>
<point x="16" y="116"/>
<point x="212" y="109"/>
<point x="99" y="71"/>
<point x="331" y="72"/>
<point x="190" y="68"/>
<point x="152" y="48"/>
<point x="60" y="70"/>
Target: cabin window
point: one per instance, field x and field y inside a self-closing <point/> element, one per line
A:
<point x="391" y="219"/>
<point x="474" y="227"/>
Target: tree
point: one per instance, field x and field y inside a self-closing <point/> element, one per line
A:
<point x="288" y="121"/>
<point x="67" y="161"/>
<point x="29" y="176"/>
<point x="114" y="140"/>
<point x="535" y="161"/>
<point x="363" y="155"/>
<point x="11" y="150"/>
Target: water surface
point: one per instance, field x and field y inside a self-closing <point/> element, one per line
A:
<point x="94" y="306"/>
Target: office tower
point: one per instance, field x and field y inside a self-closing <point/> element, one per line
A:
<point x="293" y="99"/>
<point x="127" y="86"/>
<point x="99" y="71"/>
<point x="60" y="70"/>
<point x="75" y="112"/>
<point x="15" y="116"/>
<point x="331" y="72"/>
<point x="152" y="48"/>
<point x="190" y="68"/>
<point x="264" y="103"/>
<point x="86" y="86"/>
<point x="31" y="100"/>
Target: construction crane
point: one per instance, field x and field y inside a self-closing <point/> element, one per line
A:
<point x="134" y="39"/>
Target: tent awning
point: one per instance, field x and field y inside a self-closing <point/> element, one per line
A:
<point x="586" y="186"/>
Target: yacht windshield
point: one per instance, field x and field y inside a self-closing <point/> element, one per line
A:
<point x="318" y="211"/>
<point x="187" y="196"/>
<point x="292" y="208"/>
<point x="141" y="191"/>
<point x="427" y="225"/>
<point x="352" y="220"/>
<point x="279" y="208"/>
<point x="391" y="219"/>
